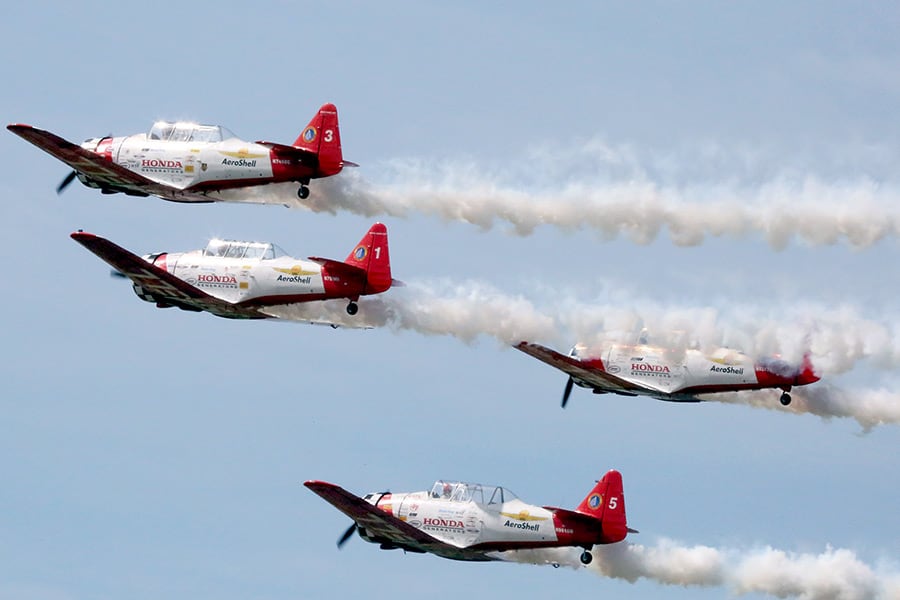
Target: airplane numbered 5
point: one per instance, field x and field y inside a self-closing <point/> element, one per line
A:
<point x="239" y="280"/>
<point x="190" y="162"/>
<point x="475" y="522"/>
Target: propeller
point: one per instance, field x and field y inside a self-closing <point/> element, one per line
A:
<point x="354" y="527"/>
<point x="347" y="535"/>
<point x="567" y="391"/>
<point x="65" y="182"/>
<point x="117" y="274"/>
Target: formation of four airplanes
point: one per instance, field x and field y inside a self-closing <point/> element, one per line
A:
<point x="189" y="162"/>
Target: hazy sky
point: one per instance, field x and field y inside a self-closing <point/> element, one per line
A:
<point x="151" y="453"/>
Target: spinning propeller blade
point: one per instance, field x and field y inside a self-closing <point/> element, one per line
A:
<point x="347" y="534"/>
<point x="567" y="391"/>
<point x="65" y="182"/>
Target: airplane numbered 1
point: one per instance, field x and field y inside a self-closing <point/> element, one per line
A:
<point x="664" y="374"/>
<point x="474" y="522"/>
<point x="239" y="280"/>
<point x="189" y="162"/>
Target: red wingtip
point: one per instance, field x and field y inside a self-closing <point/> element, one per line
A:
<point x="81" y="235"/>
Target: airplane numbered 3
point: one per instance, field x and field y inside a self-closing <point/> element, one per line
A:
<point x="661" y="373"/>
<point x="238" y="280"/>
<point x="474" y="522"/>
<point x="187" y="162"/>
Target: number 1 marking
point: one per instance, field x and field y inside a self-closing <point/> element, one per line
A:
<point x="378" y="252"/>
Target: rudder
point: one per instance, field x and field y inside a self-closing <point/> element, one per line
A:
<point x="323" y="136"/>
<point x="606" y="501"/>
<point x="371" y="254"/>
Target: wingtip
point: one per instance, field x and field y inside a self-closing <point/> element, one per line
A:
<point x="81" y="235"/>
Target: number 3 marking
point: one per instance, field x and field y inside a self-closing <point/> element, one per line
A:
<point x="329" y="135"/>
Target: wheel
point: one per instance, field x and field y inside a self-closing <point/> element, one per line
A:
<point x="303" y="192"/>
<point x="586" y="558"/>
<point x="555" y="565"/>
<point x="352" y="308"/>
<point x="785" y="399"/>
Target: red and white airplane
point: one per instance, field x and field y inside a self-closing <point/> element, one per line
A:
<point x="239" y="280"/>
<point x="470" y="521"/>
<point x="644" y="370"/>
<point x="186" y="162"/>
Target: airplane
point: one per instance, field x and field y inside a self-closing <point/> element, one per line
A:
<point x="186" y="162"/>
<point x="239" y="280"/>
<point x="474" y="522"/>
<point x="645" y="370"/>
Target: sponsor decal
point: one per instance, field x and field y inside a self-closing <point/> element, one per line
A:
<point x="309" y="134"/>
<point x="595" y="500"/>
<point x="565" y="530"/>
<point x="614" y="369"/>
<point x="526" y="526"/>
<point x="189" y="169"/>
<point x="244" y="285"/>
<point x="306" y="280"/>
<point x="359" y="253"/>
<point x="281" y="161"/>
<point x="648" y="369"/>
<point x="523" y="516"/>
<point x="159" y="165"/>
<point x="443" y="524"/>
<point x="241" y="162"/>
<point x="727" y="370"/>
<point x="417" y="524"/>
<point x="216" y="281"/>
<point x="295" y="274"/>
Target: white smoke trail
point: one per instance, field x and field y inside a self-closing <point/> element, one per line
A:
<point x="834" y="574"/>
<point x="870" y="407"/>
<point x="838" y="339"/>
<point x="857" y="213"/>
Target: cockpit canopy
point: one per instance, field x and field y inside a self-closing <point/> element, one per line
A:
<point x="235" y="249"/>
<point x="458" y="491"/>
<point x="183" y="131"/>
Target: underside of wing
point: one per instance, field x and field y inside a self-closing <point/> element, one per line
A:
<point x="576" y="369"/>
<point x="104" y="173"/>
<point x="159" y="285"/>
<point x="385" y="527"/>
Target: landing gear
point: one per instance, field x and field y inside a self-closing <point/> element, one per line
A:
<point x="785" y="399"/>
<point x="586" y="558"/>
<point x="303" y="192"/>
<point x="352" y="308"/>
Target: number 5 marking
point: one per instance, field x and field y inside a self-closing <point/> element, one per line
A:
<point x="613" y="503"/>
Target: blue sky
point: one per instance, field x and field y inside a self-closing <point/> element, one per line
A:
<point x="150" y="453"/>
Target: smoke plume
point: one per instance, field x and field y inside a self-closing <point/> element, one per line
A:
<point x="614" y="195"/>
<point x="834" y="574"/>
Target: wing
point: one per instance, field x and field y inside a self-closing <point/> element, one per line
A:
<point x="105" y="173"/>
<point x="582" y="372"/>
<point x="383" y="526"/>
<point x="160" y="285"/>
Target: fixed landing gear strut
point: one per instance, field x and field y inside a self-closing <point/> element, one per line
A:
<point x="586" y="558"/>
<point x="352" y="308"/>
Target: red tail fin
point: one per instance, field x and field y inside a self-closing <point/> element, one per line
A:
<point x="607" y="503"/>
<point x="371" y="254"/>
<point x="323" y="137"/>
